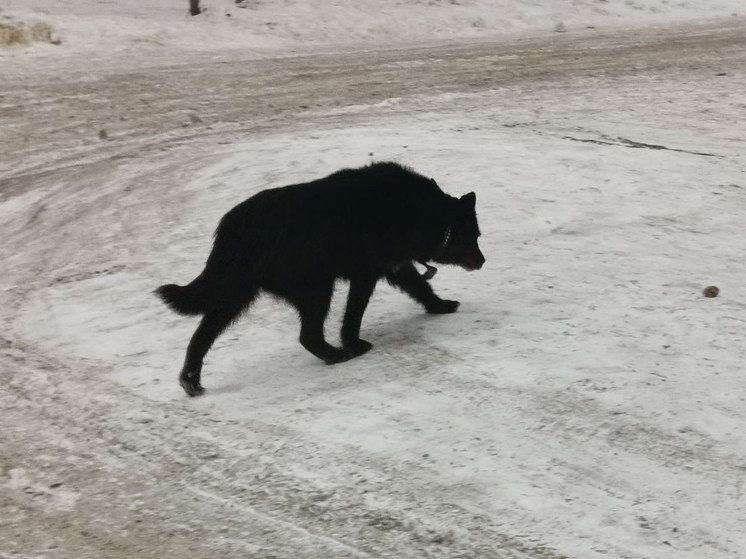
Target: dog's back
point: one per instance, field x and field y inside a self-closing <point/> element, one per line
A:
<point x="356" y="219"/>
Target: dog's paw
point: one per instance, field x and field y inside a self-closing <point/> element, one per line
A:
<point x="191" y="386"/>
<point x="351" y="349"/>
<point x="358" y="347"/>
<point x="442" y="306"/>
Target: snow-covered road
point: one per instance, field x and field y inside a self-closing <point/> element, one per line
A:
<point x="586" y="401"/>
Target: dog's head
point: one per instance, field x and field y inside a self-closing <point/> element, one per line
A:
<point x="459" y="244"/>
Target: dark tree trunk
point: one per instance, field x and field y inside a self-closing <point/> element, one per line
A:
<point x="194" y="7"/>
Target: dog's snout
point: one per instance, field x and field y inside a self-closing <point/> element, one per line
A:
<point x="476" y="261"/>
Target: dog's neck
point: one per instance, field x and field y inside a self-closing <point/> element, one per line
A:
<point x="430" y="271"/>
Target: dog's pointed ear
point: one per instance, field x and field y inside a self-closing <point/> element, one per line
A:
<point x="470" y="200"/>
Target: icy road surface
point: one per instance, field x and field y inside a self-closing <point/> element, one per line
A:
<point x="585" y="402"/>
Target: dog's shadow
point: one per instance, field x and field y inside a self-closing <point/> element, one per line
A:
<point x="411" y="338"/>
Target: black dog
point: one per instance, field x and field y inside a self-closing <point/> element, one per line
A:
<point x="294" y="242"/>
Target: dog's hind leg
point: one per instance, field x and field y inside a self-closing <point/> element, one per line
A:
<point x="313" y="307"/>
<point x="413" y="284"/>
<point x="357" y="301"/>
<point x="213" y="323"/>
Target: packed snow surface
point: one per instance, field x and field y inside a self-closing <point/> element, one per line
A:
<point x="587" y="401"/>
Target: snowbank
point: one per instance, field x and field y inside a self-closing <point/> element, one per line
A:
<point x="101" y="26"/>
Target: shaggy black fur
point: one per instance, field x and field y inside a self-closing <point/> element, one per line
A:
<point x="296" y="241"/>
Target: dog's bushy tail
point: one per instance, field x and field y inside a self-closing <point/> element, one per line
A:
<point x="220" y="282"/>
<point x="188" y="300"/>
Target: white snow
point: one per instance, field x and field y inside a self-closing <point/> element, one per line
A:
<point x="586" y="396"/>
<point x="106" y="27"/>
<point x="585" y="386"/>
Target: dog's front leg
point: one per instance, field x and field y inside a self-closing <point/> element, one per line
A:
<point x="361" y="289"/>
